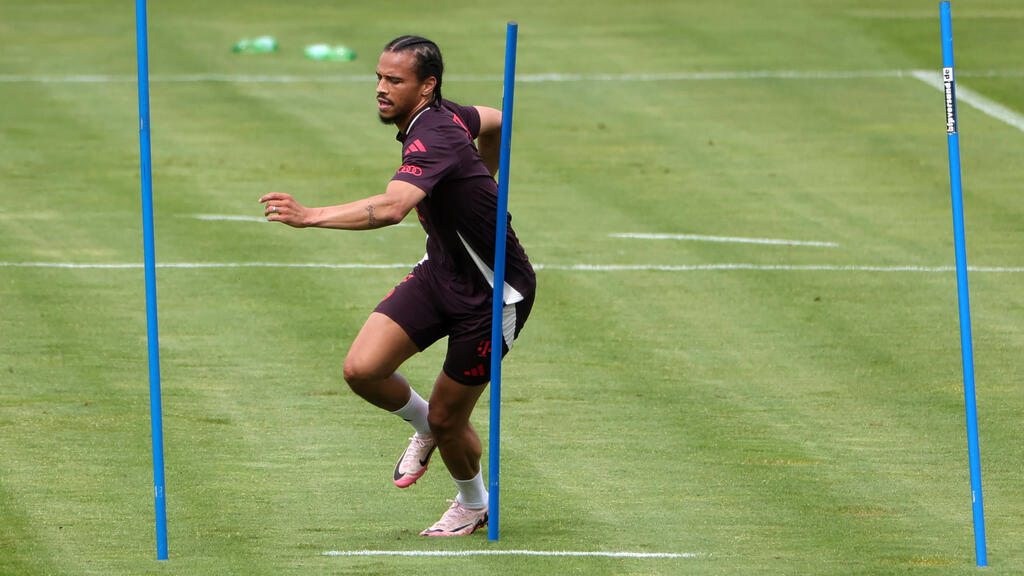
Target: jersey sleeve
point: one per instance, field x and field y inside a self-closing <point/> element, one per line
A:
<point x="467" y="117"/>
<point x="425" y="161"/>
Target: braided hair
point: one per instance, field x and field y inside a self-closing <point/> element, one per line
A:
<point x="428" y="60"/>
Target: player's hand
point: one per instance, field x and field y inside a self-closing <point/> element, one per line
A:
<point x="281" y="207"/>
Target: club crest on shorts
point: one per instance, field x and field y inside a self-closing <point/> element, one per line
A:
<point x="483" y="349"/>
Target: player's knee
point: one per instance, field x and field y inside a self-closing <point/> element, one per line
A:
<point x="442" y="421"/>
<point x="360" y="375"/>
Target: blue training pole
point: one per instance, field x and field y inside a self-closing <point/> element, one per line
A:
<point x="498" y="308"/>
<point x="151" y="317"/>
<point x="966" y="347"/>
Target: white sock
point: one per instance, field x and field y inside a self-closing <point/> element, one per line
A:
<point x="472" y="493"/>
<point x="415" y="413"/>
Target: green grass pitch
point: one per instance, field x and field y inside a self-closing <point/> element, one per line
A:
<point x="789" y="417"/>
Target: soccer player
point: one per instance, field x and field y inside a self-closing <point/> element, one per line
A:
<point x="449" y="181"/>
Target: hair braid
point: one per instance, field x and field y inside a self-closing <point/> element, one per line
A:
<point x="428" y="60"/>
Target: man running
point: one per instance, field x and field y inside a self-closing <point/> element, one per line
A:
<point x="450" y="183"/>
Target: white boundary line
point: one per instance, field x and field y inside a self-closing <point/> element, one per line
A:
<point x="530" y="78"/>
<point x="724" y="239"/>
<point x="556" y="267"/>
<point x="968" y="96"/>
<point x="931" y="78"/>
<point x="464" y="553"/>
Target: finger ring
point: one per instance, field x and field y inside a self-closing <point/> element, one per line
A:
<point x="273" y="208"/>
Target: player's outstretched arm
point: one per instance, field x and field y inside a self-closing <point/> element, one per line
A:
<point x="488" y="142"/>
<point x="378" y="211"/>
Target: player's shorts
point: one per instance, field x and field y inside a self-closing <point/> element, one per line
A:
<point x="429" y="309"/>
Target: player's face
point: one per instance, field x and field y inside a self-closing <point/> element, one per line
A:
<point x="399" y="92"/>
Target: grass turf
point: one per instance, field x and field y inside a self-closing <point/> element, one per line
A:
<point x="805" y="422"/>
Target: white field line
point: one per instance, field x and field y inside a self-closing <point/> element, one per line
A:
<point x="463" y="553"/>
<point x="725" y="239"/>
<point x="526" y="78"/>
<point x="968" y="96"/>
<point x="555" y="267"/>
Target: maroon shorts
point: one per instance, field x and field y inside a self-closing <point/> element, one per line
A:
<point x="427" y="308"/>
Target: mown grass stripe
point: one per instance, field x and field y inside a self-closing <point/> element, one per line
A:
<point x="531" y="78"/>
<point x="554" y="553"/>
<point x="558" y="267"/>
<point x="704" y="238"/>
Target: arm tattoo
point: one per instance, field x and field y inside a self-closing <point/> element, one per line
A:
<point x="373" y="219"/>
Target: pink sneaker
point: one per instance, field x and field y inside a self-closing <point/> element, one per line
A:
<point x="414" y="460"/>
<point x="457" y="521"/>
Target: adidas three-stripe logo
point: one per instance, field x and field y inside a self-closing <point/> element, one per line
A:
<point x="416" y="146"/>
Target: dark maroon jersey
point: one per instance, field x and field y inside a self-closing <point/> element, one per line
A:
<point x="459" y="211"/>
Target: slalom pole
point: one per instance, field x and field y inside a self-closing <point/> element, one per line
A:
<point x="498" y="300"/>
<point x="963" y="297"/>
<point x="156" y="418"/>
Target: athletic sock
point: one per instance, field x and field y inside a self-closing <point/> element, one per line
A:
<point x="415" y="413"/>
<point x="472" y="493"/>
